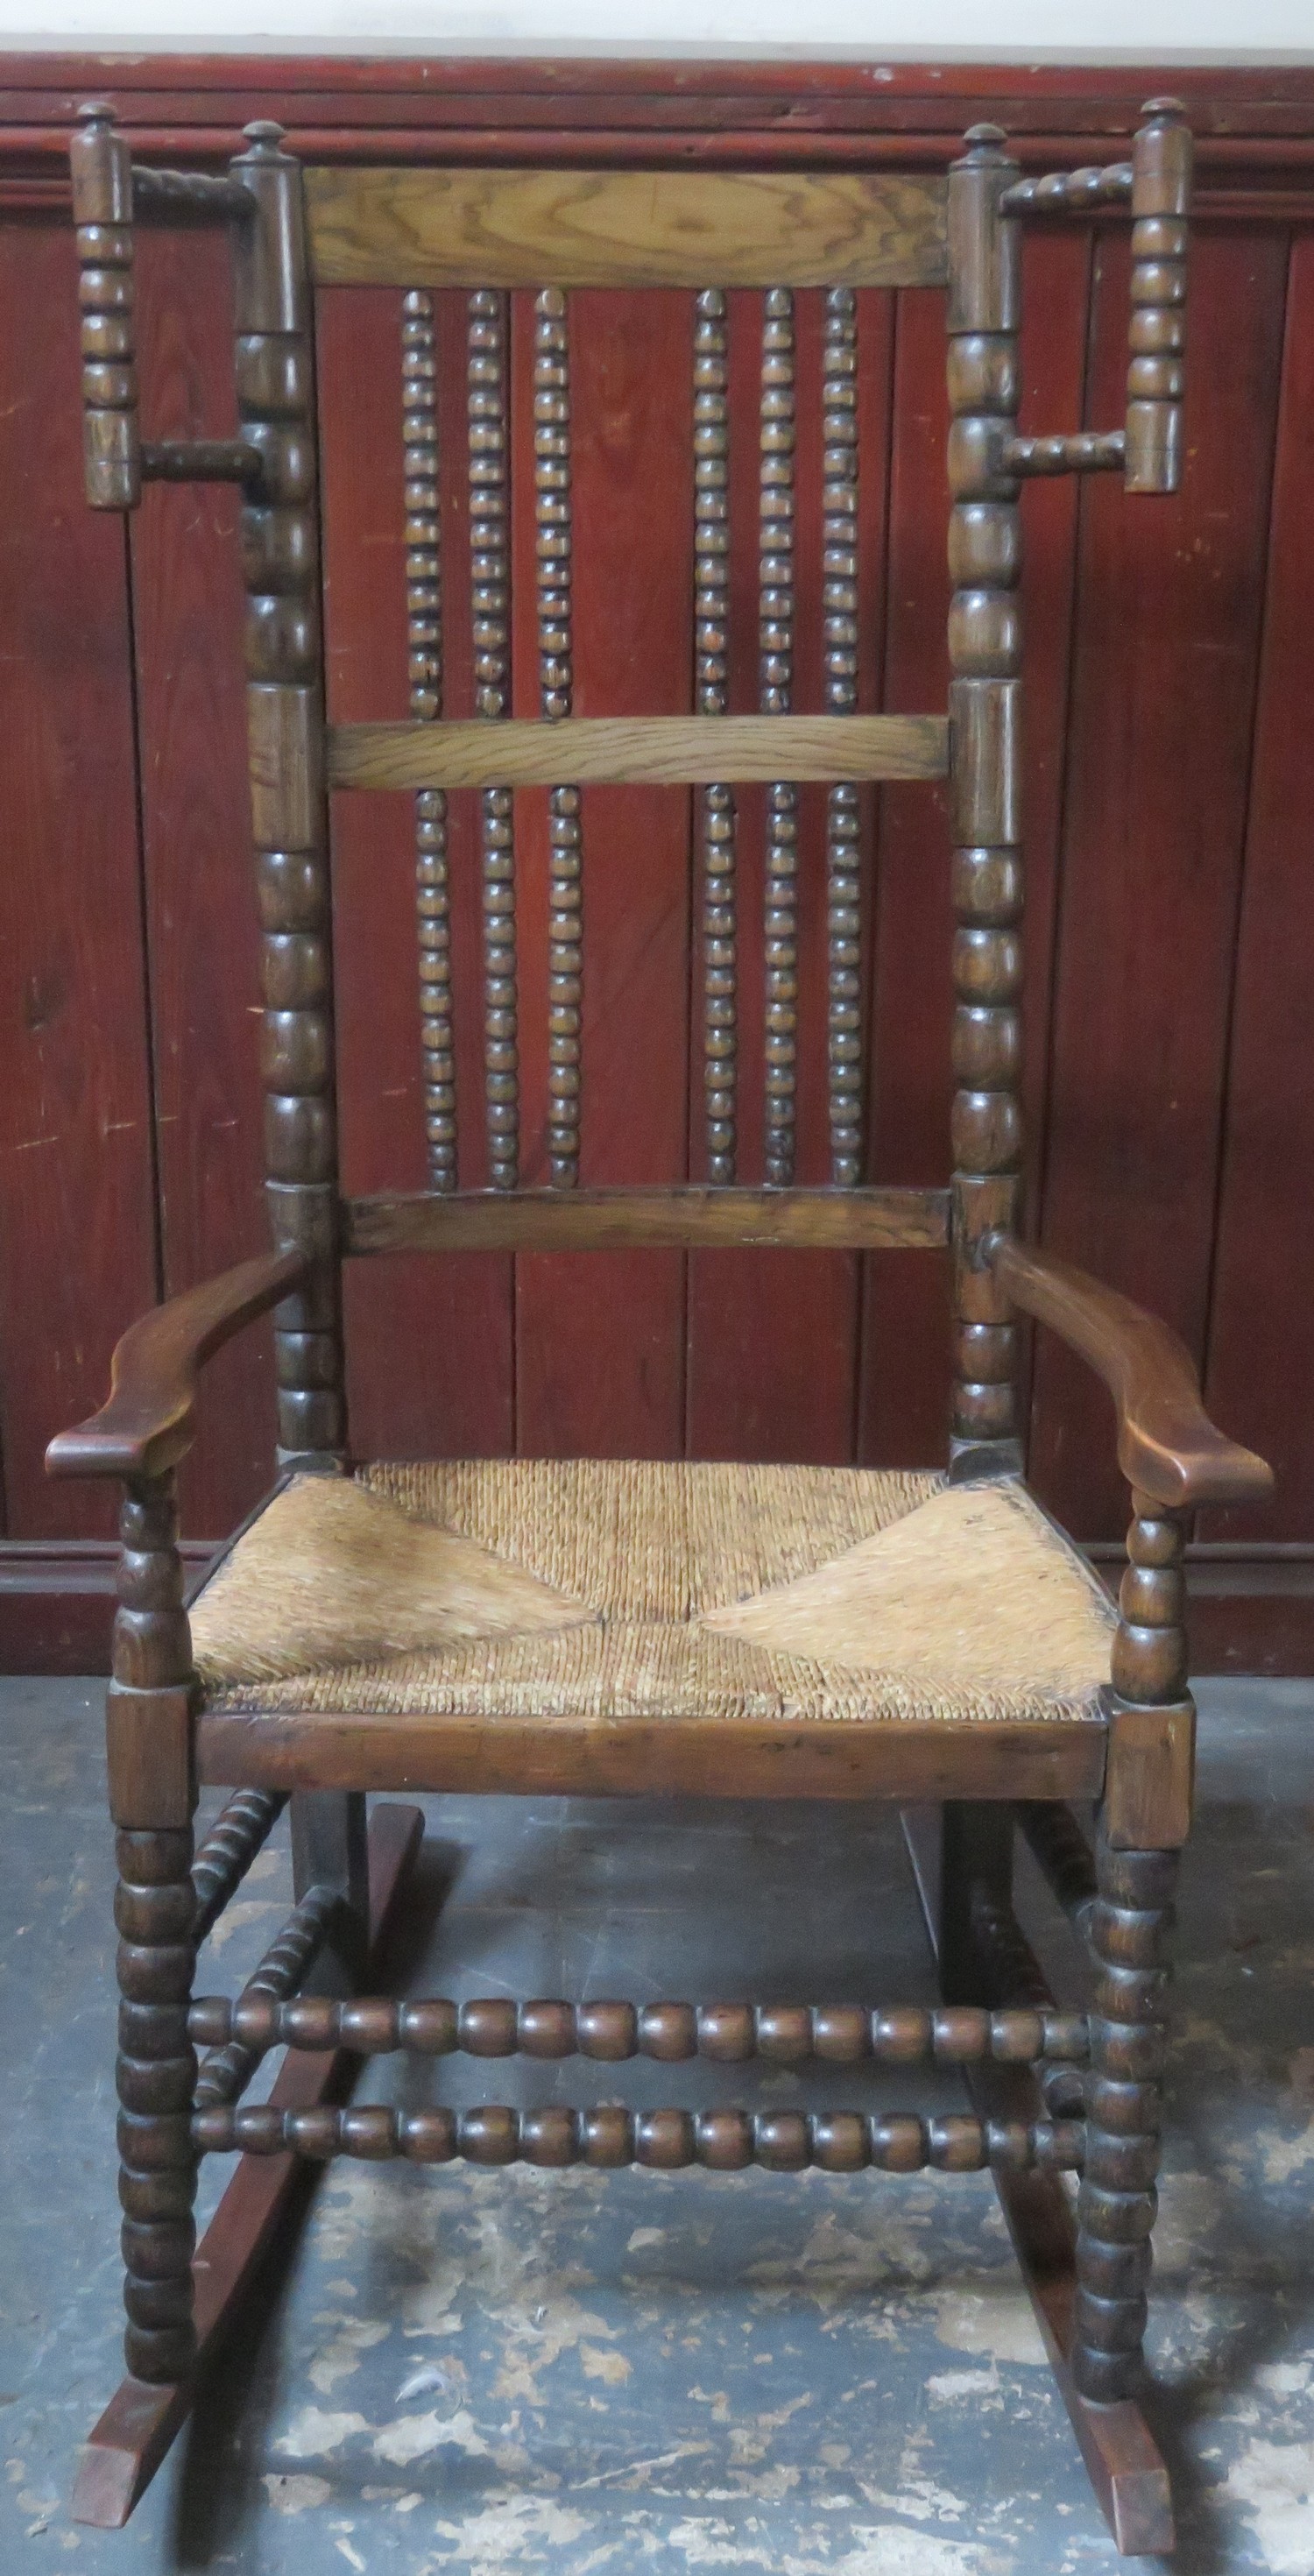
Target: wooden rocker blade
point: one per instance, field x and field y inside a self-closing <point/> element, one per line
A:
<point x="128" y="2444"/>
<point x="1122" y="2459"/>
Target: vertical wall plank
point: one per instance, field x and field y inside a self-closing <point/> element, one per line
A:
<point x="1170" y="594"/>
<point x="200" y="887"/>
<point x="77" y="1228"/>
<point x="428" y="1341"/>
<point x="599" y="1337"/>
<point x="1260" y="1381"/>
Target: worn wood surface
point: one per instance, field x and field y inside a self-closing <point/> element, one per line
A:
<point x="1166" y="1443"/>
<point x="615" y="751"/>
<point x="734" y="1758"/>
<point x="1156" y="1084"/>
<point x="571" y="228"/>
<point x="672" y="1219"/>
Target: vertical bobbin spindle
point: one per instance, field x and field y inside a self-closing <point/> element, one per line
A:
<point x="1128" y="1931"/>
<point x="985" y="650"/>
<point x="424" y="611"/>
<point x="101" y="167"/>
<point x="843" y="823"/>
<point x="776" y="685"/>
<point x="1161" y="195"/>
<point x="565" y="850"/>
<point x="285" y="723"/>
<point x="711" y="611"/>
<point x="490" y="599"/>
<point x="152" y="1801"/>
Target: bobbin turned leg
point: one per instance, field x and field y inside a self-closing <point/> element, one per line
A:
<point x="1116" y="2204"/>
<point x="1144" y="1820"/>
<point x="152" y="1800"/>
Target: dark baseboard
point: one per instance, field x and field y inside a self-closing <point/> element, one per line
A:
<point x="1251" y="1609"/>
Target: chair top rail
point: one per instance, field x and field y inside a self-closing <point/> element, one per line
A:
<point x="691" y="228"/>
<point x="650" y="751"/>
<point x="677" y="1218"/>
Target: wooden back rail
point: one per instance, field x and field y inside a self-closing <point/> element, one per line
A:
<point x="728" y="2033"/>
<point x="488" y="232"/>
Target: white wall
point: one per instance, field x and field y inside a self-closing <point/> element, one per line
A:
<point x="1201" y="31"/>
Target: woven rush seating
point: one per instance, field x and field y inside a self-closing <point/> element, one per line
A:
<point x="585" y="1588"/>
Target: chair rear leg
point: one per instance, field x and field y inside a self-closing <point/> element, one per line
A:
<point x="1129" y="1927"/>
<point x="330" y="1848"/>
<point x="976" y="1865"/>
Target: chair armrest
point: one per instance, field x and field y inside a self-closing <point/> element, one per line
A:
<point x="1167" y="1446"/>
<point x="146" y="1426"/>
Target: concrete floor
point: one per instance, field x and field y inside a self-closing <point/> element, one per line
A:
<point x="808" y="2376"/>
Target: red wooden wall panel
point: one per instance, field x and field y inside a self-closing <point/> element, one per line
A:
<point x="201" y="935"/>
<point x="1168" y="629"/>
<point x="1167" y="789"/>
<point x="77" y="1197"/>
<point x="1261" y="1349"/>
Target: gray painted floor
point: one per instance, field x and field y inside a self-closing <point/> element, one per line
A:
<point x="808" y="2376"/>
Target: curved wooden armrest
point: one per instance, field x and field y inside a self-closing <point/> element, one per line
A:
<point x="1167" y="1446"/>
<point x="146" y="1426"/>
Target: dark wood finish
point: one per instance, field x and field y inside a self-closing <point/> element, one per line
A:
<point x="985" y="651"/>
<point x="101" y="168"/>
<point x="665" y="2141"/>
<point x="1166" y="1442"/>
<point x="148" y="1422"/>
<point x="1124" y="2464"/>
<point x="224" y="2074"/>
<point x="729" y="2034"/>
<point x="227" y="1852"/>
<point x="1160" y="199"/>
<point x="675" y="1217"/>
<point x="284" y="668"/>
<point x="155" y="1911"/>
<point x="1129" y="1923"/>
<point x="908" y="1760"/>
<point x="134" y="2433"/>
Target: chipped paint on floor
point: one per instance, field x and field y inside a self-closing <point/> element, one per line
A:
<point x="811" y="2375"/>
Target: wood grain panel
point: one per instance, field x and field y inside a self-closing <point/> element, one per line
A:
<point x="673" y="1217"/>
<point x="196" y="830"/>
<point x="428" y="1342"/>
<point x="600" y="1363"/>
<point x="77" y="1215"/>
<point x="638" y="751"/>
<point x="1170" y="598"/>
<point x="621" y="229"/>
<point x="1260" y="1380"/>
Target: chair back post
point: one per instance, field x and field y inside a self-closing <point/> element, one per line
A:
<point x="985" y="647"/>
<point x="285" y="718"/>
<point x="100" y="163"/>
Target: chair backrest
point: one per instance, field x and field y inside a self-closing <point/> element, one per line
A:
<point x="488" y="232"/>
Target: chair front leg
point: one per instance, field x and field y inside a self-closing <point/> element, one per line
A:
<point x="152" y="1801"/>
<point x="1142" y="1824"/>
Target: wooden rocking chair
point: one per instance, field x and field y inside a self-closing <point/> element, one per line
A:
<point x="578" y="1626"/>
